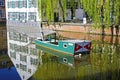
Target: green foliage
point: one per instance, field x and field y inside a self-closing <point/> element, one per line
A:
<point x="109" y="9"/>
<point x="102" y="12"/>
<point x="48" y="7"/>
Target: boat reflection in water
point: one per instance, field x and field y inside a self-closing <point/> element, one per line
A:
<point x="23" y="54"/>
<point x="60" y="66"/>
<point x="68" y="59"/>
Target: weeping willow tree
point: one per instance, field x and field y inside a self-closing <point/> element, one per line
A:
<point x="104" y="13"/>
<point x="47" y="8"/>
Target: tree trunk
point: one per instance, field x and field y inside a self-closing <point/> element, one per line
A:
<point x="72" y="13"/>
<point x="117" y="29"/>
<point x="103" y="30"/>
<point x="63" y="16"/>
<point x="102" y="18"/>
<point x="112" y="30"/>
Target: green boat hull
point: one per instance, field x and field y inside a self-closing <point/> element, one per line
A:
<point x="60" y="47"/>
<point x="72" y="47"/>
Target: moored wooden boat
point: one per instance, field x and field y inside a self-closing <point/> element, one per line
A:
<point x="72" y="47"/>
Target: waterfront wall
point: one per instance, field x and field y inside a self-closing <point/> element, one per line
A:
<point x="80" y="28"/>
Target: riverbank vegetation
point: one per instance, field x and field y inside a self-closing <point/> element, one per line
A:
<point x="103" y="13"/>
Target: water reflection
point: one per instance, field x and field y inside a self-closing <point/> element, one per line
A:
<point x="92" y="37"/>
<point x="7" y="68"/>
<point x="57" y="65"/>
<point x="103" y="63"/>
<point x="23" y="54"/>
<point x="63" y="58"/>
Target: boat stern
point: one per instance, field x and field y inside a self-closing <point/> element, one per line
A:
<point x="82" y="47"/>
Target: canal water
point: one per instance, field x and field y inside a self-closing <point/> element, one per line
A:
<point x="26" y="61"/>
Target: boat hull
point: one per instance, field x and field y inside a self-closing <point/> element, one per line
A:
<point x="66" y="46"/>
<point x="58" y="48"/>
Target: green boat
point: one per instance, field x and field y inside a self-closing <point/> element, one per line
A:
<point x="72" y="47"/>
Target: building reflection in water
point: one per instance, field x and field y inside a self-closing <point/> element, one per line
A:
<point x="23" y="54"/>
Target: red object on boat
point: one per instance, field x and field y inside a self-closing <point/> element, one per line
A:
<point x="82" y="47"/>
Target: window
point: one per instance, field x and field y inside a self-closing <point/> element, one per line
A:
<point x="1" y="2"/>
<point x="32" y="3"/>
<point x="11" y="37"/>
<point x="24" y="4"/>
<point x="11" y="46"/>
<point x="33" y="51"/>
<point x="20" y="4"/>
<point x="15" y="47"/>
<point x="2" y="13"/>
<point x="23" y="67"/>
<point x="3" y="33"/>
<point x="33" y="61"/>
<point x="32" y="16"/>
<point x="17" y="65"/>
<point x="65" y="45"/>
<point x="65" y="60"/>
<point x="29" y="70"/>
<point x="4" y="44"/>
<point x="24" y="38"/>
<point x="9" y="16"/>
<point x="17" y="16"/>
<point x="23" y="58"/>
<point x="9" y="4"/>
<point x="23" y="16"/>
<point x="24" y="49"/>
<point x="13" y="4"/>
<point x="31" y="39"/>
<point x="16" y="4"/>
<point x="13" y="16"/>
<point x="13" y="55"/>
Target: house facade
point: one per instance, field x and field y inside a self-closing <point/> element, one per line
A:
<point x="25" y="13"/>
<point x="22" y="13"/>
